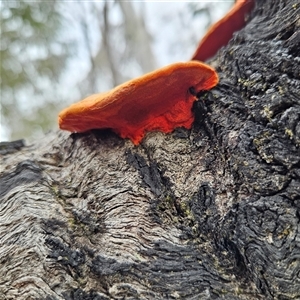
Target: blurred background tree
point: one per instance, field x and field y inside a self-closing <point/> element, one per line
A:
<point x="32" y="59"/>
<point x="54" y="53"/>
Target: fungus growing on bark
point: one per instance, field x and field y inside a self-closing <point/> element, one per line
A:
<point x="222" y="31"/>
<point x="158" y="101"/>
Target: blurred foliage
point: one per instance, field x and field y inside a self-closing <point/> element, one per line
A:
<point x="54" y="53"/>
<point x="32" y="59"/>
<point x="209" y="10"/>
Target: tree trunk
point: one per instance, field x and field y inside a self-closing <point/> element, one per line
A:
<point x="210" y="213"/>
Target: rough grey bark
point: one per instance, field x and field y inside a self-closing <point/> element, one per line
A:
<point x="210" y="213"/>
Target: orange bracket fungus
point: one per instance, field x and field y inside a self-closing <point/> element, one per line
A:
<point x="221" y="32"/>
<point x="158" y="101"/>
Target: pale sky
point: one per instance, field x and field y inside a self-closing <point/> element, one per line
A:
<point x="175" y="33"/>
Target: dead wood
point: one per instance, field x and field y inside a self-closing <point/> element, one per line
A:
<point x="211" y="213"/>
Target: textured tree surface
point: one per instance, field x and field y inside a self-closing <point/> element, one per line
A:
<point x="210" y="213"/>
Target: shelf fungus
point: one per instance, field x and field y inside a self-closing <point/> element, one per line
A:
<point x="158" y="101"/>
<point x="219" y="34"/>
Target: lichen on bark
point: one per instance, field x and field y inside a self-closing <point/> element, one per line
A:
<point x="210" y="213"/>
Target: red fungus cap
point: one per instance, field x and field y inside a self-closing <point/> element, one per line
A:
<point x="220" y="33"/>
<point x="160" y="100"/>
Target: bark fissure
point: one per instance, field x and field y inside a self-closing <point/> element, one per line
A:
<point x="210" y="213"/>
